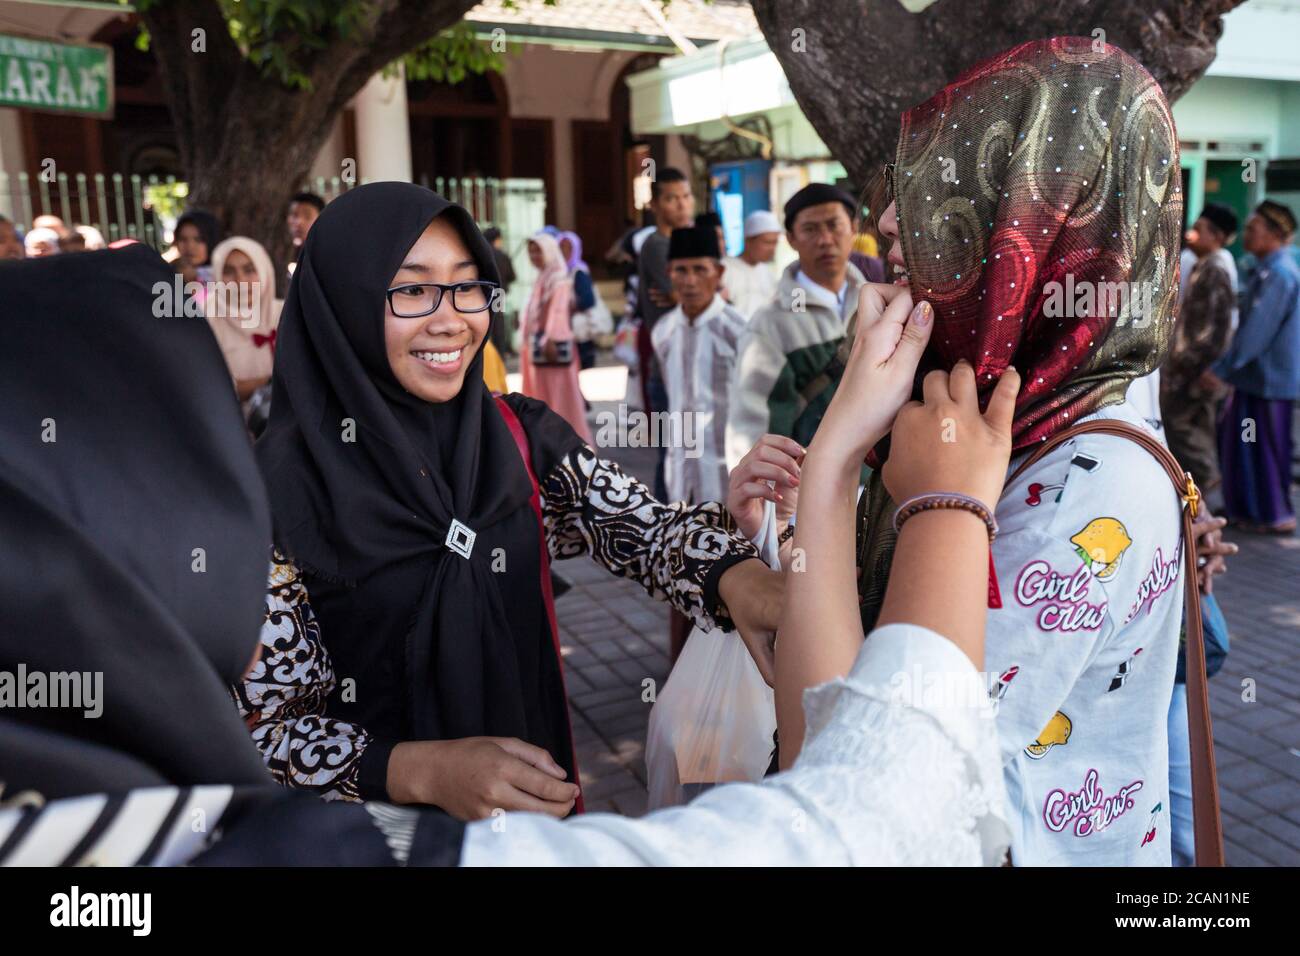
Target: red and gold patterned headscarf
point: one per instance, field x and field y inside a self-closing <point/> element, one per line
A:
<point x="1040" y="209"/>
<point x="1028" y="191"/>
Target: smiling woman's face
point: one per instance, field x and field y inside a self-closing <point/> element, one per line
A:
<point x="429" y="354"/>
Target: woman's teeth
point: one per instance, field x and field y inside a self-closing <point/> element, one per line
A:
<point x="438" y="358"/>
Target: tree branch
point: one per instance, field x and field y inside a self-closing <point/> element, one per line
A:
<point x="861" y="63"/>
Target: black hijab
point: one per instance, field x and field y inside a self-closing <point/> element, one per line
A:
<point x="207" y="225"/>
<point x="424" y="632"/>
<point x="122" y="453"/>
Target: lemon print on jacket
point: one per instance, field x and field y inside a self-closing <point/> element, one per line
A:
<point x="1101" y="544"/>
<point x="1056" y="732"/>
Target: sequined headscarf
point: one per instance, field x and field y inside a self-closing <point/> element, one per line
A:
<point x="1040" y="208"/>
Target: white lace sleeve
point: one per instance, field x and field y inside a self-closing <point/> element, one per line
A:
<point x="900" y="767"/>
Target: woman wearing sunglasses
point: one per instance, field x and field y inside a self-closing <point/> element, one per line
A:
<point x="420" y="513"/>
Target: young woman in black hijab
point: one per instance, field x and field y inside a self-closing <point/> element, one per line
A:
<point x="403" y="504"/>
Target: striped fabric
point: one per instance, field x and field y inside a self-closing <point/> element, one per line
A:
<point x="155" y="826"/>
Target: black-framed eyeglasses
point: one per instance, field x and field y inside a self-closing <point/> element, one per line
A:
<point x="414" y="299"/>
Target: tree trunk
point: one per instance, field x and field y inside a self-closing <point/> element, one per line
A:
<point x="855" y="65"/>
<point x="247" y="141"/>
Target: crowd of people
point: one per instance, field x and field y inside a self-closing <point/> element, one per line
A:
<point x="399" y="512"/>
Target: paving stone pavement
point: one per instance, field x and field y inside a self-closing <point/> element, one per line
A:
<point x="1257" y="735"/>
<point x="614" y="637"/>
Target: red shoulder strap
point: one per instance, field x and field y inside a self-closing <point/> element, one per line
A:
<point x="548" y="596"/>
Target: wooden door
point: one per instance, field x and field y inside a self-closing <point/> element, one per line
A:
<point x="598" y="195"/>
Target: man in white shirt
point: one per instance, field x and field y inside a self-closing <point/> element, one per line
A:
<point x="749" y="280"/>
<point x="789" y="346"/>
<point x="695" y="350"/>
<point x="695" y="345"/>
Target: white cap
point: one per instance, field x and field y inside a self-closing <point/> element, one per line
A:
<point x="761" y="221"/>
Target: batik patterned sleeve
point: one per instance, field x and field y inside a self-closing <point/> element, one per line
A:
<point x="676" y="552"/>
<point x="282" y="698"/>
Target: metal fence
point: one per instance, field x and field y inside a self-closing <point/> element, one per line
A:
<point x="113" y="204"/>
<point x="146" y="207"/>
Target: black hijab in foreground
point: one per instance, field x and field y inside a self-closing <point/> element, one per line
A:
<point x="135" y="528"/>
<point x="366" y="480"/>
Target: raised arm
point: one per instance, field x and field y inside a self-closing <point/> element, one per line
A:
<point x="821" y="631"/>
<point x="677" y="552"/>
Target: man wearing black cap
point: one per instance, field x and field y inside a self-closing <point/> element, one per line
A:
<point x="789" y="346"/>
<point x="695" y="344"/>
<point x="695" y="349"/>
<point x="1263" y="367"/>
<point x="1189" y="398"/>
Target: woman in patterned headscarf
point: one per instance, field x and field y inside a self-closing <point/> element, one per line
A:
<point x="1036" y="206"/>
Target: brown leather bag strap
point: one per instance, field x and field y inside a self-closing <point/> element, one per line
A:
<point x="1206" y="821"/>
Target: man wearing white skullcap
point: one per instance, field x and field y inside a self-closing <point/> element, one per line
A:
<point x="749" y="281"/>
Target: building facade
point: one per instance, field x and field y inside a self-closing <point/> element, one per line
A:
<point x="1239" y="125"/>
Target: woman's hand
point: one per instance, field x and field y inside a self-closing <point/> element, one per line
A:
<point x="754" y="595"/>
<point x="769" y="472"/>
<point x="892" y="332"/>
<point x="946" y="445"/>
<point x="472" y="776"/>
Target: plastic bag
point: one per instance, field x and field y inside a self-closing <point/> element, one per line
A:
<point x="714" y="718"/>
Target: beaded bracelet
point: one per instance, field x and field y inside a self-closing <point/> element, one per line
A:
<point x="939" y="500"/>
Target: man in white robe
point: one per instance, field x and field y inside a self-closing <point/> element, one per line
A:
<point x="695" y="345"/>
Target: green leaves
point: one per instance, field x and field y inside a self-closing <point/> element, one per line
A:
<point x="279" y="37"/>
<point x="451" y="55"/>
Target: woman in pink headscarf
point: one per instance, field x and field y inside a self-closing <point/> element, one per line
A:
<point x="548" y="336"/>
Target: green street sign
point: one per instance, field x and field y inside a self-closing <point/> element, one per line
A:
<point x="56" y="77"/>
